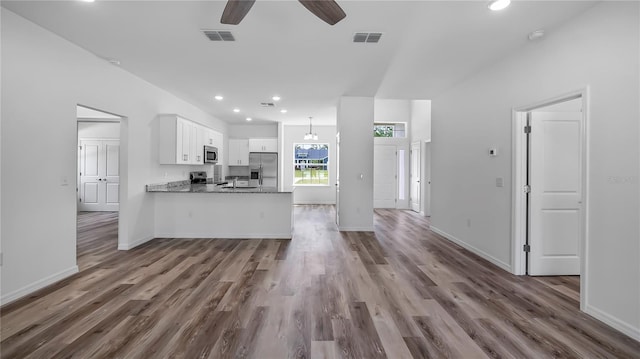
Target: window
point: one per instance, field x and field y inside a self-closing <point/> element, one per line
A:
<point x="389" y="130"/>
<point x="311" y="164"/>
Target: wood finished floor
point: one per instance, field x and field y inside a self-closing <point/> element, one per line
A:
<point x="400" y="292"/>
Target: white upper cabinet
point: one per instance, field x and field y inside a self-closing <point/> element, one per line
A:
<point x="181" y="141"/>
<point x="218" y="141"/>
<point x="263" y="145"/>
<point x="209" y="138"/>
<point x="238" y="152"/>
<point x="197" y="144"/>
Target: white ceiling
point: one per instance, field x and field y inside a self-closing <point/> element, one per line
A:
<point x="281" y="48"/>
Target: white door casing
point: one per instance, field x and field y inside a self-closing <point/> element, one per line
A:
<point x="99" y="175"/>
<point x="414" y="188"/>
<point x="555" y="200"/>
<point x="426" y="180"/>
<point x="385" y="171"/>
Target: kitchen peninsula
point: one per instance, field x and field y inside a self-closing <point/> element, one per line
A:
<point x="184" y="210"/>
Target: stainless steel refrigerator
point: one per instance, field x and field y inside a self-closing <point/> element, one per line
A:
<point x="264" y="169"/>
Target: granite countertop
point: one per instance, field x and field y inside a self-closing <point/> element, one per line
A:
<point x="187" y="187"/>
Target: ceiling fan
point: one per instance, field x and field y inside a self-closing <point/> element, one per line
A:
<point x="327" y="10"/>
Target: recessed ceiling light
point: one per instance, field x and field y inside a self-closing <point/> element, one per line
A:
<point x="499" y="4"/>
<point x="236" y="110"/>
<point x="276" y="98"/>
<point x="284" y="110"/>
<point x="87" y="0"/>
<point x="219" y="98"/>
<point x="114" y="62"/>
<point x="249" y="118"/>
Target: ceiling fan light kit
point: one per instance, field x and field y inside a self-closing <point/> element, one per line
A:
<point x="327" y="10"/>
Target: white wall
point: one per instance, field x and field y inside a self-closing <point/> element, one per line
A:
<point x="598" y="49"/>
<point x="390" y="111"/>
<point x="253" y="131"/>
<point x="98" y="130"/>
<point x="355" y="125"/>
<point x="420" y="120"/>
<point x="293" y="134"/>
<point x="44" y="77"/>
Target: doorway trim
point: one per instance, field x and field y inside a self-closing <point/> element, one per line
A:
<point x="519" y="179"/>
<point x="123" y="164"/>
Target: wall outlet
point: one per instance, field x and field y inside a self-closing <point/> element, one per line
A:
<point x="493" y="152"/>
<point x="499" y="182"/>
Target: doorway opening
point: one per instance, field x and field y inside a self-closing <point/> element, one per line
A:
<point x="550" y="192"/>
<point x="97" y="185"/>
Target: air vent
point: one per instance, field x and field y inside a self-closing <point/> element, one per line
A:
<point x="217" y="35"/>
<point x="267" y="104"/>
<point x="373" y="37"/>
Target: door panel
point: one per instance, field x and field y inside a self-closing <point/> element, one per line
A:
<point x="90" y="158"/>
<point x="555" y="199"/>
<point x="113" y="196"/>
<point x="560" y="234"/>
<point x="415" y="177"/>
<point x="90" y="191"/>
<point x="112" y="152"/>
<point x="384" y="177"/>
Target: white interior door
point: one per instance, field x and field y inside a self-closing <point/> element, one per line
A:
<point x="414" y="187"/>
<point x="111" y="179"/>
<point x="99" y="175"/>
<point x="555" y="177"/>
<point x="385" y="172"/>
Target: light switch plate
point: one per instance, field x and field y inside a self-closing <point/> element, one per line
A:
<point x="499" y="182"/>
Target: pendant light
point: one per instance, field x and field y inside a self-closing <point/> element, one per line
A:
<point x="310" y="135"/>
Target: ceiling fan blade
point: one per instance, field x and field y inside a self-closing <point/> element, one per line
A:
<point x="327" y="10"/>
<point x="235" y="11"/>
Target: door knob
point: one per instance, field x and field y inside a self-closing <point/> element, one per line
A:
<point x="99" y="179"/>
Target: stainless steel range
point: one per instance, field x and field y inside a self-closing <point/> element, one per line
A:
<point x="198" y="177"/>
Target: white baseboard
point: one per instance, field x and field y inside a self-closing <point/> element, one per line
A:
<point x="473" y="249"/>
<point x="314" y="202"/>
<point x="127" y="246"/>
<point x="613" y="322"/>
<point x="355" y="229"/>
<point x="226" y="235"/>
<point x="28" y="289"/>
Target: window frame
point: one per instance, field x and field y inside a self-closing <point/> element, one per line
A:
<point x="325" y="164"/>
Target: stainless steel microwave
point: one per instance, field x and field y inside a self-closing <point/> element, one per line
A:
<point x="210" y="154"/>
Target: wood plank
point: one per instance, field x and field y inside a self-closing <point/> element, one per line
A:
<point x="402" y="291"/>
